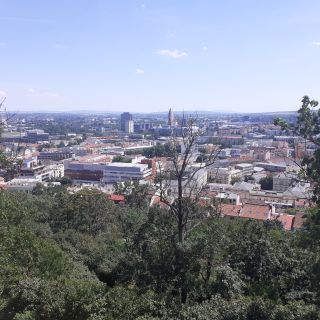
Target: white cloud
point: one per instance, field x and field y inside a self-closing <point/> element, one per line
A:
<point x="316" y="43"/>
<point x="204" y="48"/>
<point x="2" y="93"/>
<point x="42" y="94"/>
<point x="175" y="54"/>
<point x="143" y="6"/>
<point x="60" y="46"/>
<point x="139" y="71"/>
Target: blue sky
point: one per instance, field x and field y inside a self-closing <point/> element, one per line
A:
<point x="149" y="55"/>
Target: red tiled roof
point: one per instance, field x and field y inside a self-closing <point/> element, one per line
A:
<point x="300" y="203"/>
<point x="286" y="220"/>
<point x="299" y="219"/>
<point x="116" y="197"/>
<point x="230" y="210"/>
<point x="255" y="212"/>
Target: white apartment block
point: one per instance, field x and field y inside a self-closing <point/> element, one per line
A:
<point x="246" y="168"/>
<point x="224" y="175"/>
<point x="119" y="172"/>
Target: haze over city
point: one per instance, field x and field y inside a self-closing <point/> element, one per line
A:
<point x="146" y="56"/>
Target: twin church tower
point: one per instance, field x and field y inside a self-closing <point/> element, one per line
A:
<point x="171" y="120"/>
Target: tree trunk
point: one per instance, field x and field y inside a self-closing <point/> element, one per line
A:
<point x="180" y="249"/>
<point x="180" y="212"/>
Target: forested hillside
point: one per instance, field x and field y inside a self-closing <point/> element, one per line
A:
<point x="79" y="256"/>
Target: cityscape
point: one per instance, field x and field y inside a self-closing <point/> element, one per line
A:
<point x="159" y="160"/>
<point x="255" y="173"/>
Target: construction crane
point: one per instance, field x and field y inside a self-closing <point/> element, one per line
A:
<point x="4" y="111"/>
<point x="2" y="102"/>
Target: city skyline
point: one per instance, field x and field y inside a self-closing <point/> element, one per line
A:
<point x="145" y="56"/>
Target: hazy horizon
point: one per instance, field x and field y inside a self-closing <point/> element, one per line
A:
<point x="148" y="56"/>
<point x="177" y="112"/>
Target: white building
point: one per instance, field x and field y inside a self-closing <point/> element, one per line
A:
<point x="224" y="175"/>
<point x="57" y="170"/>
<point x="119" y="171"/>
<point x="246" y="168"/>
<point x="26" y="184"/>
<point x="129" y="126"/>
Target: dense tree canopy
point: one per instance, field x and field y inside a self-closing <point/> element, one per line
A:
<point x="266" y="183"/>
<point x="79" y="256"/>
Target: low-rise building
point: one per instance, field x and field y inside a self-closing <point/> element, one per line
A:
<point x="57" y="170"/>
<point x="282" y="181"/>
<point x="258" y="212"/>
<point x="35" y="135"/>
<point x="86" y="169"/>
<point x="55" y="155"/>
<point x="119" y="172"/>
<point x="32" y="169"/>
<point x="272" y="167"/>
<point x="224" y="175"/>
<point x="26" y="184"/>
<point x="246" y="168"/>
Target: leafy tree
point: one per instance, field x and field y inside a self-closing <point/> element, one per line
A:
<point x="86" y="211"/>
<point x="121" y="159"/>
<point x="159" y="150"/>
<point x="235" y="179"/>
<point x="266" y="183"/>
<point x="307" y="127"/>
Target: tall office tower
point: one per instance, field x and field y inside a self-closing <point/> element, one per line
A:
<point x="170" y="118"/>
<point x="129" y="126"/>
<point x="126" y="116"/>
<point x="184" y="120"/>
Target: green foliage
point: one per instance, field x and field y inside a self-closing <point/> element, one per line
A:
<point x="266" y="183"/>
<point x="159" y="150"/>
<point x="235" y="179"/>
<point x="121" y="159"/>
<point x="79" y="256"/>
<point x="307" y="127"/>
<point x="136" y="195"/>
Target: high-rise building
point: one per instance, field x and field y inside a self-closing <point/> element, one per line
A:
<point x="170" y="118"/>
<point x="126" y="116"/>
<point x="129" y="126"/>
<point x="184" y="120"/>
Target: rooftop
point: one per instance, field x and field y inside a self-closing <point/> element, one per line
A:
<point x="127" y="164"/>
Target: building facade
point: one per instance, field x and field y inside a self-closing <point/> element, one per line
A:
<point x="170" y="118"/>
<point x="125" y="119"/>
<point x="120" y="172"/>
